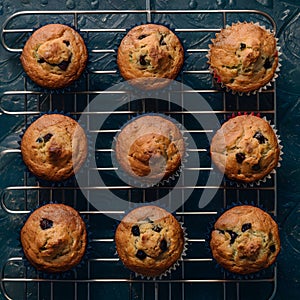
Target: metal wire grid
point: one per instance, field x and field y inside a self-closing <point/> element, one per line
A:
<point x="18" y="281"/>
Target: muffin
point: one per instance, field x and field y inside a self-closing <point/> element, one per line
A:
<point x="54" y="147"/>
<point x="54" y="56"/>
<point x="244" y="57"/>
<point x="149" y="241"/>
<point x="245" y="148"/>
<point x="54" y="238"/>
<point x="150" y="148"/>
<point x="245" y="240"/>
<point x="148" y="54"/>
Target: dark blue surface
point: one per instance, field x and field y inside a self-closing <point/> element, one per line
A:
<point x="287" y="17"/>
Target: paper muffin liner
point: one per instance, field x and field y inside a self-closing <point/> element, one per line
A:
<point x="70" y="87"/>
<point x="71" y="181"/>
<point x="228" y="274"/>
<point x="55" y="275"/>
<point x="164" y="86"/>
<point x="179" y="260"/>
<point x="241" y="184"/>
<point x="141" y="182"/>
<point x="217" y="78"/>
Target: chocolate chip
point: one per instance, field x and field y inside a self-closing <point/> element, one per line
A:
<point x="41" y="60"/>
<point x="66" y="42"/>
<point x="135" y="230"/>
<point x="162" y="41"/>
<point x="268" y="64"/>
<point x="55" y="152"/>
<point x="142" y="60"/>
<point x="156" y="228"/>
<point x="272" y="248"/>
<point x="246" y="226"/>
<point x="242" y="46"/>
<point x="256" y="167"/>
<point x="63" y="65"/>
<point x="142" y="36"/>
<point x="259" y="136"/>
<point x="163" y="245"/>
<point x="47" y="137"/>
<point x="46" y="224"/>
<point x="39" y="140"/>
<point x="240" y="157"/>
<point x="233" y="236"/>
<point x="141" y="254"/>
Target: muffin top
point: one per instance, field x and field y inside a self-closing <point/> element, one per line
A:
<point x="149" y="53"/>
<point x="54" y="56"/>
<point x="54" y="147"/>
<point x="244" y="57"/>
<point x="149" y="240"/>
<point x="150" y="148"/>
<point x="54" y="238"/>
<point x="245" y="148"/>
<point x="245" y="240"/>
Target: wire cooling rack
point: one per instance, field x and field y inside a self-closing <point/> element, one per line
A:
<point x="102" y="275"/>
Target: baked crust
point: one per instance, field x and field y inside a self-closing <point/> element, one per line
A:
<point x="245" y="240"/>
<point x="244" y="57"/>
<point x="245" y="148"/>
<point x="54" y="56"/>
<point x="148" y="54"/>
<point x="150" y="148"/>
<point x="54" y="147"/>
<point x="149" y="240"/>
<point x="54" y="238"/>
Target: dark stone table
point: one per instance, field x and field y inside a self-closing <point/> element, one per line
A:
<point x="102" y="276"/>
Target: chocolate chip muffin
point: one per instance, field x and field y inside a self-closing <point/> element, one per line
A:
<point x="149" y="241"/>
<point x="150" y="148"/>
<point x="148" y="54"/>
<point x="54" y="147"/>
<point x="54" y="56"/>
<point x="245" y="240"/>
<point x="245" y="148"/>
<point x="244" y="57"/>
<point x="54" y="238"/>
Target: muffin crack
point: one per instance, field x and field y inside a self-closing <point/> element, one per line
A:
<point x="55" y="52"/>
<point x="149" y="242"/>
<point x="155" y="156"/>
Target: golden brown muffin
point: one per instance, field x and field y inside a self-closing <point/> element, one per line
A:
<point x="245" y="240"/>
<point x="245" y="148"/>
<point x="244" y="57"/>
<point x="54" y="147"/>
<point x="150" y="148"/>
<point x="149" y="241"/>
<point x="148" y="54"/>
<point x="54" y="56"/>
<point x="54" y="238"/>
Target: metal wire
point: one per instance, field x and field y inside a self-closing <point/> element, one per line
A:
<point x="28" y="189"/>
